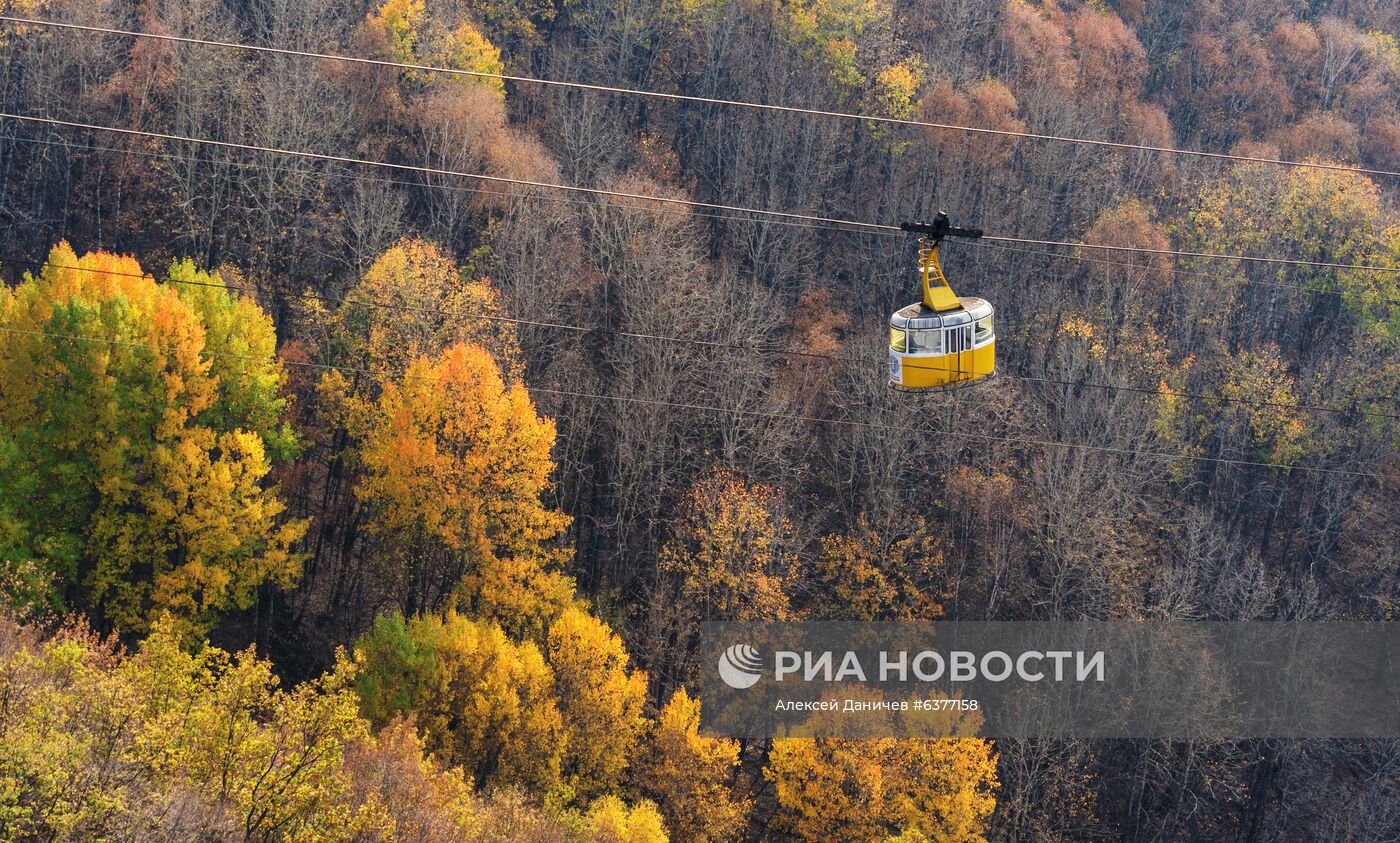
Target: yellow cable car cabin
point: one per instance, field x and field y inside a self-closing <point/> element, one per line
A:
<point x="946" y="340"/>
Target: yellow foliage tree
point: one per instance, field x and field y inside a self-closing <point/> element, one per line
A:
<point x="600" y="699"/>
<point x="398" y="20"/>
<point x="834" y="31"/>
<point x="454" y="464"/>
<point x="868" y="576"/>
<point x="468" y="49"/>
<point x="101" y="744"/>
<point x="898" y="87"/>
<point x="1266" y="398"/>
<point x="482" y="701"/>
<point x="170" y="743"/>
<point x="729" y="551"/>
<point x="689" y="776"/>
<point x="414" y="300"/>
<point x="139" y="424"/>
<point x="828" y="788"/>
<point x="876" y="788"/>
<point x="1309" y="214"/>
<point x="416" y="36"/>
<point x="610" y="820"/>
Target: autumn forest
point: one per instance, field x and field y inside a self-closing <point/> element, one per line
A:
<point x="344" y="503"/>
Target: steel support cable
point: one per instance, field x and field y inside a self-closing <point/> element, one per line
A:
<point x="436" y="171"/>
<point x="637" y="92"/>
<point x="1143" y="250"/>
<point x="854" y="225"/>
<point x="1190" y="273"/>
<point x="635" y="208"/>
<point x="349" y="176"/>
<point x="984" y="437"/>
<point x="715" y="344"/>
<point x="788" y="216"/>
<point x="456" y="188"/>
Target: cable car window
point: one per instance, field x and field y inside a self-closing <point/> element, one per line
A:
<point x="897" y="339"/>
<point x="984" y="330"/>
<point x="956" y="340"/>
<point x="926" y="342"/>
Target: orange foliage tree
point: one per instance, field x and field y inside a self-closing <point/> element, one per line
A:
<point x="454" y="465"/>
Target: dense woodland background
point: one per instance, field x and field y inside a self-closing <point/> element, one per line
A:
<point x="452" y="490"/>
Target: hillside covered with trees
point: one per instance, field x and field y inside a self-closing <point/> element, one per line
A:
<point x="347" y="503"/>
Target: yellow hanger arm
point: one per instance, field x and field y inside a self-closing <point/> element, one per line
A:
<point x="938" y="296"/>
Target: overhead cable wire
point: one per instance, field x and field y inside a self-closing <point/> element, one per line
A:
<point x="354" y="177"/>
<point x="725" y="217"/>
<point x="984" y="437"/>
<point x="638" y="92"/>
<point x="715" y="344"/>
<point x="1209" y="276"/>
<point x="437" y="171"/>
<point x="452" y="188"/>
<point x="350" y="176"/>
<point x="1143" y="250"/>
<point x="855" y="225"/>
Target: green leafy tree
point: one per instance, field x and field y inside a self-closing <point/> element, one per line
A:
<point x="140" y="423"/>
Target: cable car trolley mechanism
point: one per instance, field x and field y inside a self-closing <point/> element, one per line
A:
<point x="945" y="341"/>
